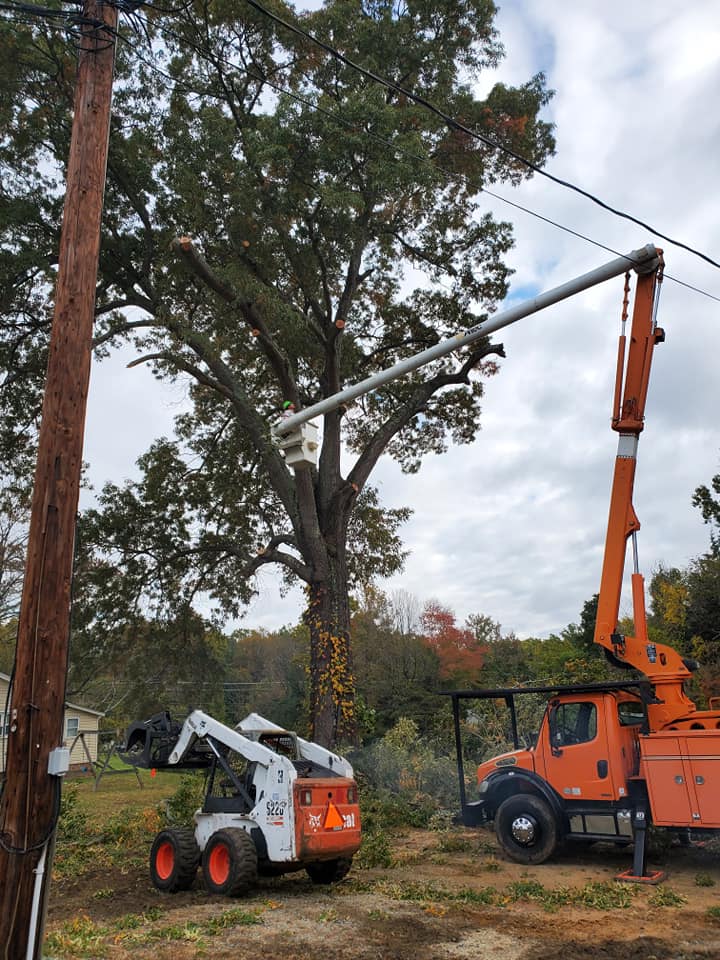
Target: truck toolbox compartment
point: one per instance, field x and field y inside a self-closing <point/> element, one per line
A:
<point x="682" y="771"/>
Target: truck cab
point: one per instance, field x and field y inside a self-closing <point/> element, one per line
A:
<point x="588" y="745"/>
<point x="579" y="781"/>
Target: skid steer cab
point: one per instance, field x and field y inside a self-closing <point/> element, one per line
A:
<point x="274" y="803"/>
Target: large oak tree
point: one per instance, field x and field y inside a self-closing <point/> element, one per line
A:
<point x="277" y="225"/>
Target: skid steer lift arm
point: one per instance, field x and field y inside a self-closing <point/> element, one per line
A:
<point x="162" y="743"/>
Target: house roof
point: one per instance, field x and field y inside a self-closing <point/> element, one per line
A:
<point x="73" y="706"/>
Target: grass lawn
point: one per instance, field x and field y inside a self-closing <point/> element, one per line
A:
<point x="121" y="792"/>
<point x="115" y="824"/>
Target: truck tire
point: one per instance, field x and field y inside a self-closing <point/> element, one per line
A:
<point x="174" y="859"/>
<point x="230" y="862"/>
<point x="328" y="871"/>
<point x="526" y="828"/>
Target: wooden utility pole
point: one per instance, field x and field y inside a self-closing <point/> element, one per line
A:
<point x="30" y="801"/>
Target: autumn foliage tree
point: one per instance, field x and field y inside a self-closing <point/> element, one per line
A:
<point x="397" y="673"/>
<point x="685" y="602"/>
<point x="460" y="652"/>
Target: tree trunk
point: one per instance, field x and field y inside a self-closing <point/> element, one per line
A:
<point x="332" y="685"/>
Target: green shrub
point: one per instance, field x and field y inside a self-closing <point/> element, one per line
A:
<point x="442" y="820"/>
<point x="456" y="841"/>
<point x="387" y="810"/>
<point x="131" y="831"/>
<point x="180" y="808"/>
<point x="665" y="897"/>
<point x="375" y="850"/>
<point x="704" y="880"/>
<point x="406" y="781"/>
<point x="405" y="764"/>
<point x="78" y="937"/>
<point x="73" y="822"/>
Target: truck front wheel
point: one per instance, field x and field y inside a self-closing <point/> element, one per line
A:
<point x="526" y="829"/>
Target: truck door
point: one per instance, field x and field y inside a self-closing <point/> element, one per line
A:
<point x="575" y="750"/>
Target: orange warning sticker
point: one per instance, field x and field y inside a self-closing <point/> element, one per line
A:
<point x="333" y="820"/>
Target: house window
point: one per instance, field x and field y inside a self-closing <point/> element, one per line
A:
<point x="4" y="725"/>
<point x="72" y="727"/>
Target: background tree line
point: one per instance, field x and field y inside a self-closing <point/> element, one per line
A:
<point x="405" y="652"/>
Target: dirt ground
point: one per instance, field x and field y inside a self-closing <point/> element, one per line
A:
<point x="426" y="906"/>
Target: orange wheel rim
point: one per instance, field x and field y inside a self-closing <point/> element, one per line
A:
<point x="165" y="860"/>
<point x="219" y="864"/>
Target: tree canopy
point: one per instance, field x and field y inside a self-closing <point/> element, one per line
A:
<point x="276" y="225"/>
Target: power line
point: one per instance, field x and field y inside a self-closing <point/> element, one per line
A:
<point x="690" y="286"/>
<point x="339" y="119"/>
<point x="129" y="6"/>
<point x="596" y="243"/>
<point x="76" y="24"/>
<point x="457" y="125"/>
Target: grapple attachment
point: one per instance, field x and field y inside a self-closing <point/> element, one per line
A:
<point x="149" y="743"/>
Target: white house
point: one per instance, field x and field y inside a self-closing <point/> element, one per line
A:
<point x="77" y="720"/>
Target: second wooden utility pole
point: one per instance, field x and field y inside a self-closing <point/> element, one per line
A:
<point x="30" y="801"/>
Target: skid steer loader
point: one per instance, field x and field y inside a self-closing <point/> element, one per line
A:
<point x="274" y="803"/>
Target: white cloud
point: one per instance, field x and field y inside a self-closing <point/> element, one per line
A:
<point x="127" y="410"/>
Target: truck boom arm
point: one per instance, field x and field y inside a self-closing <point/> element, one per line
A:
<point x="646" y="258"/>
<point x="663" y="666"/>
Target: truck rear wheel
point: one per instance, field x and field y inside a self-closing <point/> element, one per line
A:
<point x="230" y="863"/>
<point x="328" y="871"/>
<point x="526" y="829"/>
<point x="174" y="858"/>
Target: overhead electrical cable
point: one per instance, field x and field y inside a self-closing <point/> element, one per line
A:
<point x="343" y="121"/>
<point x="75" y="23"/>
<point x="458" y="125"/>
<point x="129" y="6"/>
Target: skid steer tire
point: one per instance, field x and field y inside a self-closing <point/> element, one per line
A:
<point x="526" y="828"/>
<point x="174" y="859"/>
<point x="230" y="862"/>
<point x="328" y="871"/>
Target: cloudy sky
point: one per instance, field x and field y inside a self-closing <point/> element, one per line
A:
<point x="513" y="526"/>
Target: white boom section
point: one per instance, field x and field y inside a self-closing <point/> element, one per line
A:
<point x="643" y="261"/>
